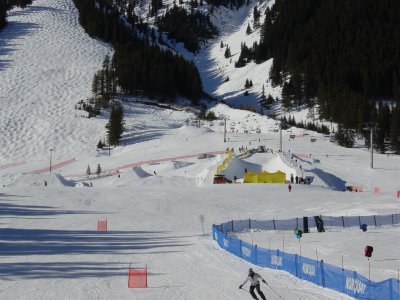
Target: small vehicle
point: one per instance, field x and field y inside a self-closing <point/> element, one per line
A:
<point x="220" y="179"/>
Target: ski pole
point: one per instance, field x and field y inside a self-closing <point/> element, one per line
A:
<point x="244" y="290"/>
<point x="273" y="290"/>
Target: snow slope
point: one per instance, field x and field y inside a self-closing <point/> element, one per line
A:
<point x="48" y="65"/>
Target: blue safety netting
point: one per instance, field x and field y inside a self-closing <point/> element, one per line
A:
<point x="342" y="280"/>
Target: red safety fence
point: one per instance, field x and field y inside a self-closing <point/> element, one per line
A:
<point x="398" y="194"/>
<point x="13" y="164"/>
<point x="102" y="225"/>
<point x="136" y="164"/>
<point x="137" y="278"/>
<point x="377" y="190"/>
<point x="53" y="167"/>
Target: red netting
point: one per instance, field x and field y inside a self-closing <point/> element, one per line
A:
<point x="137" y="278"/>
<point x="102" y="225"/>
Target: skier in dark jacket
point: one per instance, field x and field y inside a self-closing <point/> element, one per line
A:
<point x="254" y="279"/>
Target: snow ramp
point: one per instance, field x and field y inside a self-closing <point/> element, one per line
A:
<point x="50" y="180"/>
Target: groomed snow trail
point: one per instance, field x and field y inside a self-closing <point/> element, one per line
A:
<point x="47" y="63"/>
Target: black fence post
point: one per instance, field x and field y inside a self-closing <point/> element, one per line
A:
<point x="273" y="222"/>
<point x="343" y="222"/>
<point x="375" y="220"/>
<point x="249" y="223"/>
<point x="359" y="220"/>
<point x="393" y="220"/>
<point x="232" y="226"/>
<point x="305" y="225"/>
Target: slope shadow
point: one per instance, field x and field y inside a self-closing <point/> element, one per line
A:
<point x="24" y="242"/>
<point x="7" y="210"/>
<point x="70" y="269"/>
<point x="331" y="180"/>
<point x="10" y="35"/>
<point x="34" y="9"/>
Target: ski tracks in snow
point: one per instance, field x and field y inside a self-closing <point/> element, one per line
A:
<point x="50" y="62"/>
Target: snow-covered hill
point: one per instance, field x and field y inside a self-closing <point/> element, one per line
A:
<point x="48" y="66"/>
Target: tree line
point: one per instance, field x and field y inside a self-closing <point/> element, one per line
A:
<point x="342" y="55"/>
<point x="141" y="65"/>
<point x="6" y="5"/>
<point x="191" y="28"/>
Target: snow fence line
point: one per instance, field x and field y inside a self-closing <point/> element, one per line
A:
<point x="325" y="275"/>
<point x="297" y="223"/>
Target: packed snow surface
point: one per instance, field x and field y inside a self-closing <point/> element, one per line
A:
<point x="156" y="187"/>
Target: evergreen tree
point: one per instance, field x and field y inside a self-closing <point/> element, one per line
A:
<point x="227" y="52"/>
<point x="395" y="129"/>
<point x="256" y="16"/>
<point x="115" y="125"/>
<point x="88" y="172"/>
<point x="263" y="98"/>
<point x="100" y="145"/>
<point x="248" y="30"/>
<point x="345" y="137"/>
<point x="98" y="170"/>
<point x="221" y="44"/>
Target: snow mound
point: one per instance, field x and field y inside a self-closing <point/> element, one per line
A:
<point x="52" y="180"/>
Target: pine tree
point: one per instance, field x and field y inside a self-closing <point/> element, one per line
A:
<point x="248" y="30"/>
<point x="98" y="170"/>
<point x="227" y="52"/>
<point x="100" y="145"/>
<point x="88" y="172"/>
<point x="115" y="125"/>
<point x="263" y="98"/>
<point x="345" y="137"/>
<point x="221" y="44"/>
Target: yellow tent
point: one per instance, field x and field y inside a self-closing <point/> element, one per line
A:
<point x="250" y="177"/>
<point x="264" y="177"/>
<point x="278" y="177"/>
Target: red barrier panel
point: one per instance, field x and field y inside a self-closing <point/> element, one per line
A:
<point x="377" y="190"/>
<point x="137" y="278"/>
<point x="137" y="164"/>
<point x="398" y="194"/>
<point x="102" y="225"/>
<point x="10" y="165"/>
<point x="53" y="167"/>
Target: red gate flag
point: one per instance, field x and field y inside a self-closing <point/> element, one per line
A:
<point x="137" y="278"/>
<point x="102" y="225"/>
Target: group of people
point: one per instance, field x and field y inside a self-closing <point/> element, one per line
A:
<point x="300" y="180"/>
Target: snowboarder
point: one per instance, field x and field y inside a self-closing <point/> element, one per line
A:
<point x="297" y="179"/>
<point x="291" y="178"/>
<point x="289" y="187"/>
<point x="254" y="279"/>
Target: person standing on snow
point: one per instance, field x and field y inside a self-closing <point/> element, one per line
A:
<point x="289" y="187"/>
<point x="254" y="279"/>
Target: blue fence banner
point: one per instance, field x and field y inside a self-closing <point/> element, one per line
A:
<point x="341" y="280"/>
